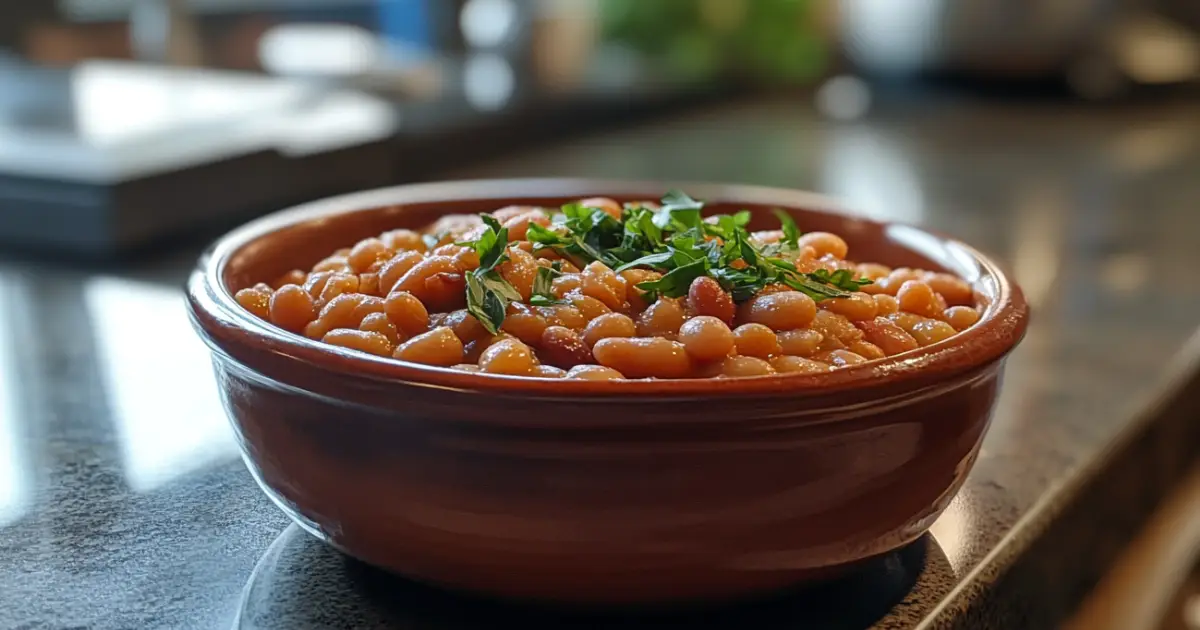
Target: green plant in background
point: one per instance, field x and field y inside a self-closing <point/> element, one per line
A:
<point x="767" y="40"/>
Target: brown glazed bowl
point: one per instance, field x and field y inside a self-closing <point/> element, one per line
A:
<point x="591" y="492"/>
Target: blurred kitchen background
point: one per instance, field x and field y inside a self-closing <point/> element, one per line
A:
<point x="125" y="123"/>
<point x="1060" y="136"/>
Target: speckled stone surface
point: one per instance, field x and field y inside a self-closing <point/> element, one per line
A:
<point x="123" y="504"/>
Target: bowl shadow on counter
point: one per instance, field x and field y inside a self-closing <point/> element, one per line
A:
<point x="302" y="583"/>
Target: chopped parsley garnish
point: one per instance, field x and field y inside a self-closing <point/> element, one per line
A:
<point x="489" y="294"/>
<point x="675" y="240"/>
<point x="543" y="282"/>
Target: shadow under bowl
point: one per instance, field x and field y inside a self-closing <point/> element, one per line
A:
<point x="587" y="492"/>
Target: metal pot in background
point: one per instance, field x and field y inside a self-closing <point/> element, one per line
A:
<point x="1100" y="47"/>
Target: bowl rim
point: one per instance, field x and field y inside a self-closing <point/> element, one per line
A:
<point x="223" y="323"/>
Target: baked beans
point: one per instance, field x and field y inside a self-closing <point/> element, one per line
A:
<point x="559" y="312"/>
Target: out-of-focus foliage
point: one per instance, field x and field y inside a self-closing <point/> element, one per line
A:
<point x="767" y="40"/>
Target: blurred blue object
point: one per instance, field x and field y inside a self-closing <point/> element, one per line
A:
<point x="406" y="22"/>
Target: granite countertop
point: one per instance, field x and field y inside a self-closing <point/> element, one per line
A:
<point x="123" y="503"/>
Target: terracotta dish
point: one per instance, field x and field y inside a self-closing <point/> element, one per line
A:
<point x="599" y="492"/>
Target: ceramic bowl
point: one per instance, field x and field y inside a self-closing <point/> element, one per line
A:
<point x="591" y="492"/>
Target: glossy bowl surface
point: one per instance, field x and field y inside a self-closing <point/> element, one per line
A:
<point x="599" y="492"/>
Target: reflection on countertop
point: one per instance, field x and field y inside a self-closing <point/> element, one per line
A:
<point x="122" y="503"/>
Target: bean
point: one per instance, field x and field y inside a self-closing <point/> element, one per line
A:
<point x="905" y="320"/>
<point x="511" y="212"/>
<point x="589" y="307"/>
<point x="292" y="308"/>
<point x="706" y="338"/>
<point x="437" y="347"/>
<point x="706" y="297"/>
<point x="601" y="283"/>
<point x="464" y="326"/>
<point x="467" y="260"/>
<point x="953" y="289"/>
<point x="931" y="331"/>
<point x="766" y="237"/>
<point x="379" y="323"/>
<point x="798" y="365"/>
<point x="892" y="283"/>
<point x="610" y="325"/>
<point x="363" y="341"/>
<point x="294" y="276"/>
<point x="449" y="249"/>
<point x="548" y="371"/>
<point x="414" y="281"/>
<point x="507" y="356"/>
<point x="255" y="300"/>
<point x="633" y="295"/>
<point x="519" y="271"/>
<point x="745" y="366"/>
<point x="563" y="315"/>
<point x="961" y="317"/>
<point x="445" y="291"/>
<point x="835" y="327"/>
<point x="337" y="284"/>
<point x="368" y="283"/>
<point x="407" y="313"/>
<point x="403" y="240"/>
<point x="641" y="357"/>
<point x="782" y="311"/>
<point x="594" y="373"/>
<point x="315" y="283"/>
<point x="872" y="271"/>
<point x="800" y="343"/>
<point x="473" y="350"/>
<point x="840" y="358"/>
<point x="609" y="206"/>
<point x="563" y="347"/>
<point x="887" y="336"/>
<point x="334" y="263"/>
<point x="756" y="340"/>
<point x="825" y="243"/>
<point x="524" y="323"/>
<point x="565" y="284"/>
<point x="866" y="350"/>
<point x="662" y="319"/>
<point x="917" y="297"/>
<point x="455" y="226"/>
<point x="885" y="304"/>
<point x="344" y="311"/>
<point x="365" y="253"/>
<point x="395" y="268"/>
<point x="518" y="226"/>
<point x="859" y="306"/>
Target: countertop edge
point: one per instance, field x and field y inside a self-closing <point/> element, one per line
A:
<point x="1057" y="552"/>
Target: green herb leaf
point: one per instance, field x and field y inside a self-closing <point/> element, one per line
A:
<point x="679" y="212"/>
<point x="842" y="278"/>
<point x="543" y="284"/>
<point x="676" y="199"/>
<point x="486" y="306"/>
<point x="491" y="245"/>
<point x="676" y="282"/>
<point x="649" y="260"/>
<point x="543" y="235"/>
<point x="791" y="233"/>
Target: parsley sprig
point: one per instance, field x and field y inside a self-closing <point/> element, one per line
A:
<point x="675" y="240"/>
